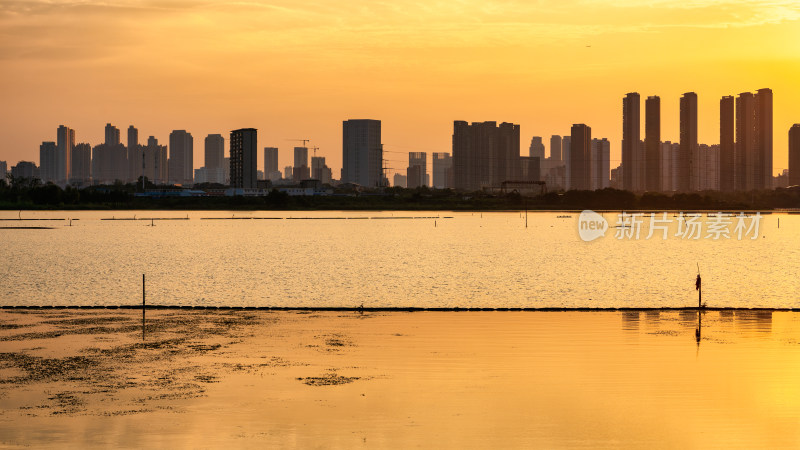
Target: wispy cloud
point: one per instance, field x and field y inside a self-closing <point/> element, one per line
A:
<point x="80" y="29"/>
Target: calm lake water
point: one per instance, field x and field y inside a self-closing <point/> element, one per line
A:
<point x="345" y="380"/>
<point x="424" y="259"/>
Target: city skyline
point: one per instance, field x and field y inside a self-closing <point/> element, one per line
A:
<point x="512" y="60"/>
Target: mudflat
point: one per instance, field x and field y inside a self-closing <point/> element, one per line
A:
<point x="214" y="378"/>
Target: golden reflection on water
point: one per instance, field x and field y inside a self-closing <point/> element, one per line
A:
<point x="634" y="379"/>
<point x="467" y="260"/>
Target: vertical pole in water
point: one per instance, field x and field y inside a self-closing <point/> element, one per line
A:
<point x="526" y="213"/>
<point x="143" y="297"/>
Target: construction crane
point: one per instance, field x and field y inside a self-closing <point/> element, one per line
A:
<point x="304" y="141"/>
<point x="315" y="150"/>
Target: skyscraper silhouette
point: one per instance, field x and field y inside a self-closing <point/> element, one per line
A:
<point x="181" y="158"/>
<point x="688" y="143"/>
<point x="631" y="126"/>
<point x="417" y="169"/>
<point x="536" y="150"/>
<point x="300" y="170"/>
<point x="652" y="129"/>
<point x="484" y="154"/>
<point x="214" y="151"/>
<point x="135" y="155"/>
<point x="112" y="135"/>
<point x="794" y="155"/>
<point x="745" y="142"/>
<point x="555" y="148"/>
<point x="271" y="169"/>
<point x="442" y="170"/>
<point x="763" y="137"/>
<point x="580" y="152"/>
<point x="48" y="162"/>
<point x="244" y="158"/>
<point x="600" y="164"/>
<point x="65" y="141"/>
<point x="727" y="149"/>
<point x="362" y="152"/>
<point x="81" y="164"/>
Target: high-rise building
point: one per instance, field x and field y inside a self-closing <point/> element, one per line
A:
<point x="271" y="169"/>
<point x="112" y="135"/>
<point x="688" y="143"/>
<point x="669" y="166"/>
<point x="763" y="136"/>
<point x="3" y="172"/>
<point x="65" y="141"/>
<point x="155" y="161"/>
<point x="442" y="170"/>
<point x="400" y="180"/>
<point x="25" y="169"/>
<point x="536" y="150"/>
<point x="417" y="169"/>
<point x="530" y="169"/>
<point x="362" y="152"/>
<point x="181" y="158"/>
<point x="133" y="137"/>
<point x="48" y="162"/>
<point x="244" y="158"/>
<point x="794" y="155"/>
<point x="727" y="146"/>
<point x="109" y="163"/>
<point x="300" y="170"/>
<point x="319" y="170"/>
<point x="600" y="164"/>
<point x="555" y="148"/>
<point x="484" y="154"/>
<point x="110" y="159"/>
<point x="639" y="159"/>
<point x="214" y="151"/>
<point x="631" y="132"/>
<point x="214" y="158"/>
<point x="579" y="155"/>
<point x="745" y="157"/>
<point x="708" y="167"/>
<point x="81" y="165"/>
<point x="566" y="148"/>
<point x="652" y="137"/>
<point x="135" y="155"/>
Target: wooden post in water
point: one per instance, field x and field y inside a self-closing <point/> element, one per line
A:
<point x="526" y="213"/>
<point x="143" y="302"/>
<point x="698" y="284"/>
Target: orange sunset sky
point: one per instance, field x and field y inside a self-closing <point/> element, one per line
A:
<point x="296" y="69"/>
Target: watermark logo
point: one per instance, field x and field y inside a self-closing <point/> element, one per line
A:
<point x="690" y="226"/>
<point x="591" y="225"/>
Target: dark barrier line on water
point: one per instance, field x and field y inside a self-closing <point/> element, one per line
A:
<point x="315" y="218"/>
<point x="382" y="309"/>
<point x="241" y="218"/>
<point x="146" y="218"/>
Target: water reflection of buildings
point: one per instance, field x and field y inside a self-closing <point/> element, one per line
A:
<point x="759" y="321"/>
<point x="630" y="320"/>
